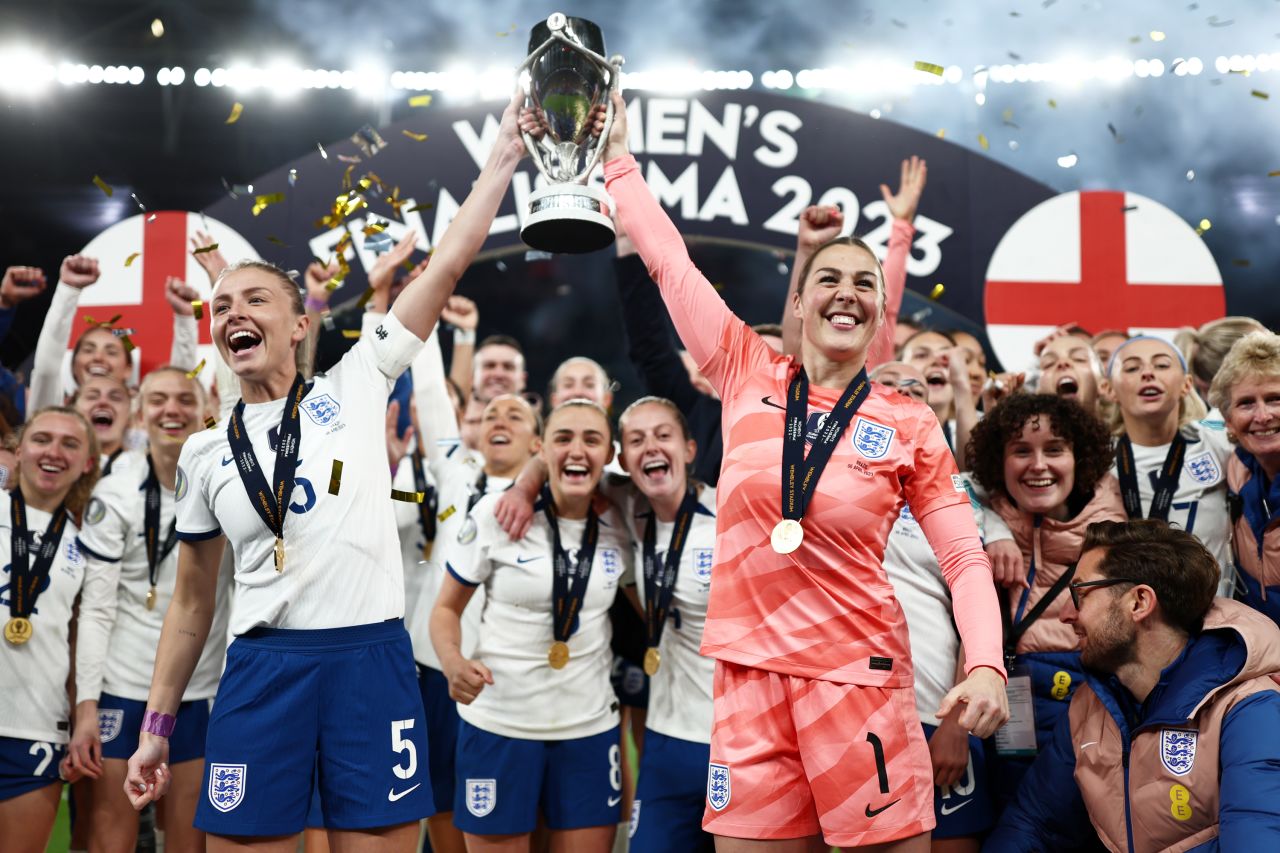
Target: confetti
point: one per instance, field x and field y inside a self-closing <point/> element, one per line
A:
<point x="420" y="101"/>
<point x="326" y="318"/>
<point x="1263" y="95"/>
<point x="938" y="290"/>
<point x="982" y="140"/>
<point x="138" y="202"/>
<point x="128" y="344"/>
<point x="262" y="202"/>
<point x="1214" y="22"/>
<point x="416" y="137"/>
<point x="1240" y="262"/>
<point x="195" y="371"/>
<point x="1016" y="57"/>
<point x="271" y="238"/>
<point x="151" y="218"/>
<point x="942" y="133"/>
<point x="323" y="153"/>
<point x="1191" y="175"/>
<point x="505" y="33"/>
<point x="1204" y="226"/>
<point x="350" y="158"/>
<point x="1156" y="35"/>
<point x="364" y="297"/>
<point x="236" y="109"/>
<point x="128" y="262"/>
<point x="368" y="140"/>
<point x="1053" y="105"/>
<point x="1134" y="39"/>
<point x="1115" y="134"/>
<point x="1129" y="207"/>
<point x="293" y="177"/>
<point x="212" y="247"/>
<point x="448" y="511"/>
<point x="106" y="324"/>
<point x="210" y="423"/>
<point x="418" y="207"/>
<point x="929" y="68"/>
<point x="335" y="477"/>
<point x="104" y="186"/>
<point x="197" y="305"/>
<point x="408" y="497"/>
<point x="346" y="176"/>
<point x="1274" y="174"/>
<point x="351" y="334"/>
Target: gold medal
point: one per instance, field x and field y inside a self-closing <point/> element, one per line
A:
<point x="558" y="655"/>
<point x="652" y="660"/>
<point x="279" y="554"/>
<point x="786" y="536"/>
<point x="151" y="598"/>
<point x="17" y="630"/>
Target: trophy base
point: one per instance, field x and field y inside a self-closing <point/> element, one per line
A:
<point x="568" y="219"/>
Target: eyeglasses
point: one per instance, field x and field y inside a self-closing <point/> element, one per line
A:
<point x="1075" y="587"/>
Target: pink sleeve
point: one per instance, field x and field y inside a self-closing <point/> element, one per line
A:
<point x="722" y="345"/>
<point x="895" y="285"/>
<point x="965" y="567"/>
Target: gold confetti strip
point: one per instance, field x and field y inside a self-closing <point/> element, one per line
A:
<point x="364" y="297"/>
<point x="982" y="140"/>
<point x="416" y="137"/>
<point x="271" y="238"/>
<point x="375" y="228"/>
<point x="1053" y="105"/>
<point x="236" y="109"/>
<point x="128" y="262"/>
<point x="262" y="202"/>
<point x="1204" y="226"/>
<point x="335" y="477"/>
<point x="351" y="334"/>
<point x="104" y="186"/>
<point x="346" y="176"/>
<point x="212" y="247"/>
<point x="195" y="371"/>
<point x="938" y="290"/>
<point x="1240" y="262"/>
<point x="1263" y="95"/>
<point x="210" y="423"/>
<point x="942" y="133"/>
<point x="408" y="497"/>
<point x="128" y="344"/>
<point x="197" y="305"/>
<point x="420" y="101"/>
<point x="106" y="324"/>
<point x="418" y="207"/>
<point x="929" y="68"/>
<point x="448" y="511"/>
<point x="1274" y="174"/>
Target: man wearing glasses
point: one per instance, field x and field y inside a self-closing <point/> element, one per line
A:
<point x="1174" y="740"/>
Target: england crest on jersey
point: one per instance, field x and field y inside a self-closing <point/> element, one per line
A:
<point x="1204" y="468"/>
<point x="635" y="820"/>
<point x="482" y="796"/>
<point x="323" y="409"/>
<point x="75" y="558"/>
<point x="718" y="789"/>
<point x="226" y="785"/>
<point x="610" y="561"/>
<point x="872" y="439"/>
<point x="1178" y="751"/>
<point x="702" y="560"/>
<point x="109" y="723"/>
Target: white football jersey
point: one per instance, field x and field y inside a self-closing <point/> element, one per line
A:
<point x="1200" y="502"/>
<point x="528" y="699"/>
<point x="113" y="540"/>
<point x="680" y="693"/>
<point x="34" y="704"/>
<point x="342" y="564"/>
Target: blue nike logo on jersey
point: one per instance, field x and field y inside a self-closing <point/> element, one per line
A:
<point x="523" y="560"/>
<point x="228" y="460"/>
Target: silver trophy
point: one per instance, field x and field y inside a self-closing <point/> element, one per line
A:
<point x="568" y="84"/>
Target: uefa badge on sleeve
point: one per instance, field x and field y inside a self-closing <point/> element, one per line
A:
<point x="226" y="785"/>
<point x="718" y="789"/>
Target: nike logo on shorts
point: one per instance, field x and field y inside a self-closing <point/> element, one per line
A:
<point x="613" y="801"/>
<point x="873" y="812"/>
<point x="947" y="811"/>
<point x="769" y="402"/>
<point x="392" y="795"/>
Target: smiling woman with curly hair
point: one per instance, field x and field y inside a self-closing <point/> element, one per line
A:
<point x="1044" y="461"/>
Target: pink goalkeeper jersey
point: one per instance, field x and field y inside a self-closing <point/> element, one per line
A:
<point x="827" y="610"/>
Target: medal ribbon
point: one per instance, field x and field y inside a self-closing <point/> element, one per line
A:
<point x="800" y="473"/>
<point x="27" y="579"/>
<point x="569" y="584"/>
<point x="151" y="524"/>
<point x="270" y="505"/>
<point x="1166" y="483"/>
<point x="430" y="503"/>
<point x="660" y="580"/>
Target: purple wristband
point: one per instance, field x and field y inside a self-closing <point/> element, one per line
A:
<point x="156" y="723"/>
<point x="318" y="305"/>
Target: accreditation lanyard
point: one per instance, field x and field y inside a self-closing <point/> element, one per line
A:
<point x="156" y="552"/>
<point x="426" y="509"/>
<point x="271" y="504"/>
<point x="1166" y="483"/>
<point x="800" y="472"/>
<point x="27" y="579"/>
<point x="569" y="583"/>
<point x="660" y="576"/>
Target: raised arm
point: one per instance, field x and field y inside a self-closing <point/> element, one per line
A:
<point x="462" y="313"/>
<point x="186" y="331"/>
<point x="418" y="306"/>
<point x="77" y="273"/>
<point x="902" y="205"/>
<point x="18" y="285"/>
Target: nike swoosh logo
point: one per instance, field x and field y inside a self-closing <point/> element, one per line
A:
<point x="392" y="796"/>
<point x="946" y="810"/>
<point x="873" y="812"/>
<point x="228" y="461"/>
<point x="769" y="402"/>
<point x="613" y="801"/>
<point x="523" y="560"/>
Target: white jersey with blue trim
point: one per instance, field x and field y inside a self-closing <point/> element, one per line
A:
<point x="680" y="693"/>
<point x="1200" y="502"/>
<point x="34" y="704"/>
<point x="528" y="699"/>
<point x="118" y="657"/>
<point x="342" y="552"/>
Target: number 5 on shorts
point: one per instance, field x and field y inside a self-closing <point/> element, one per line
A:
<point x="403" y="744"/>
